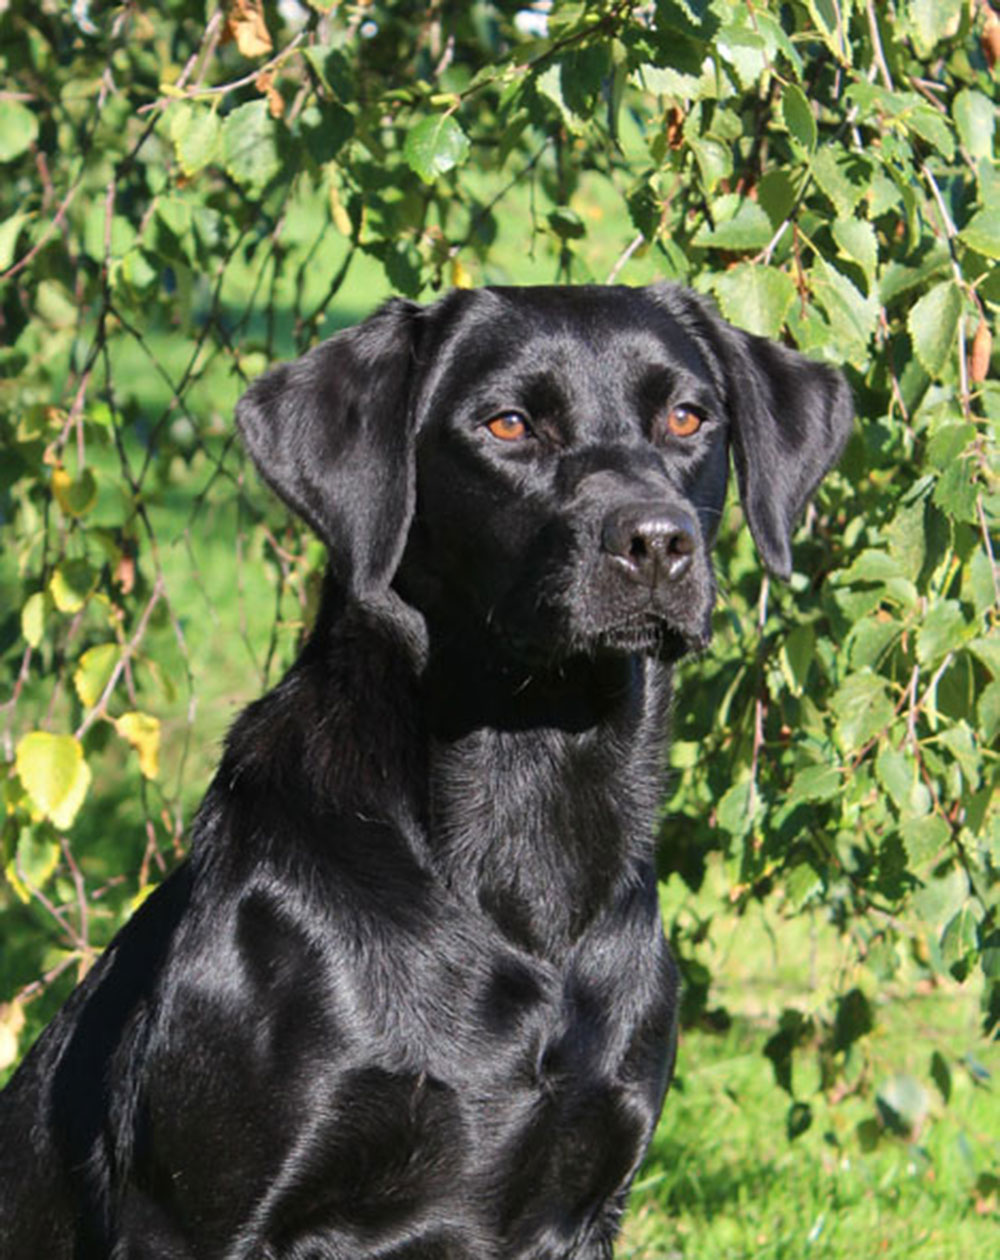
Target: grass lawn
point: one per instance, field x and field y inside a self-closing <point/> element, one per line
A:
<point x="723" y="1180"/>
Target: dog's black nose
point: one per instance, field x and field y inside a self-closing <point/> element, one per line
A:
<point x="652" y="543"/>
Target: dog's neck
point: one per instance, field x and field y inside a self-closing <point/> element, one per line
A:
<point x="540" y="779"/>
<point x="494" y="772"/>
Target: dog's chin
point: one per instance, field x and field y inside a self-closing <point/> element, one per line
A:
<point x="650" y="635"/>
<point x="645" y="634"/>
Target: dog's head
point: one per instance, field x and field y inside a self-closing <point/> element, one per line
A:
<point x="546" y="463"/>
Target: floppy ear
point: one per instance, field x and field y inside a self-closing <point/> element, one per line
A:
<point x="332" y="434"/>
<point x="790" y="418"/>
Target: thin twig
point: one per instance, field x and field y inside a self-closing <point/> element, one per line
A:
<point x="222" y="88"/>
<point x="636" y="244"/>
<point x="128" y="650"/>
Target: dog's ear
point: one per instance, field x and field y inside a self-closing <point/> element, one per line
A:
<point x="790" y="418"/>
<point x="332" y="434"/>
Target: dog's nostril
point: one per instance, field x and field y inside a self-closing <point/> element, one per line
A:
<point x="638" y="549"/>
<point x="680" y="544"/>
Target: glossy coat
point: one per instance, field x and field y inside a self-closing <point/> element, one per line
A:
<point x="409" y="996"/>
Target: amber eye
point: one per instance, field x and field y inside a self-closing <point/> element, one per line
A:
<point x="683" y="422"/>
<point x="509" y="427"/>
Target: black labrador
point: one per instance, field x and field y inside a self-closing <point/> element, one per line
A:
<point x="409" y="998"/>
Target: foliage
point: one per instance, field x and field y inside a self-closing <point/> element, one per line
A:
<point x="191" y="191"/>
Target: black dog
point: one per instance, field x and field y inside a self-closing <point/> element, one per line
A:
<point x="410" y="998"/>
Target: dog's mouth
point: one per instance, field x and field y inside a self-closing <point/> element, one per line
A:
<point x="648" y="634"/>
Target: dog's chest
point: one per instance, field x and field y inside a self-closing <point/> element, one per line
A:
<point x="517" y="1116"/>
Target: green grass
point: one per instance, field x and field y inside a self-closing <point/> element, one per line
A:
<point x="723" y="1181"/>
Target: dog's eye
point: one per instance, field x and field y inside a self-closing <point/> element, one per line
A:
<point x="683" y="421"/>
<point x="509" y="426"/>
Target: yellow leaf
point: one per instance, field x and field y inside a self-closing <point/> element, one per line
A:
<point x="11" y="1024"/>
<point x="341" y="219"/>
<point x="34" y="862"/>
<point x="92" y="673"/>
<point x="143" y="732"/>
<point x="54" y="774"/>
<point x="71" y="585"/>
<point x="248" y="28"/>
<point x="460" y="277"/>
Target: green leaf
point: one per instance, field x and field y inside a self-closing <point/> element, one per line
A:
<point x="734" y="813"/>
<point x="853" y="317"/>
<point x="899" y="775"/>
<point x="748" y="228"/>
<point x="798" y="1120"/>
<point x="802" y="883"/>
<point x="987" y="710"/>
<point x="862" y="709"/>
<point x="816" y="783"/>
<point x="33" y="618"/>
<point x="987" y="650"/>
<point x="960" y="941"/>
<point x="755" y="297"/>
<point x="10" y="230"/>
<point x="796" y="656"/>
<point x="745" y="50"/>
<point x="776" y="194"/>
<point x="856" y="240"/>
<point x="325" y="129"/>
<point x="54" y="774"/>
<point x="943" y="630"/>
<point x="976" y="119"/>
<point x="853" y="1019"/>
<point x="844" y="177"/>
<point x="941" y="897"/>
<point x="826" y="16"/>
<point x="252" y="144"/>
<point x="933" y="127"/>
<point x="18" y="129"/>
<point x="941" y="1075"/>
<point x="933" y="325"/>
<point x="334" y="68"/>
<point x="982" y="233"/>
<point x="688" y="17"/>
<point x="196" y="132"/>
<point x="798" y="116"/>
<point x="990" y="958"/>
<point x="75" y="495"/>
<point x="924" y="838"/>
<point x="435" y="145"/>
<point x="961" y="743"/>
<point x="957" y="490"/>
<point x="715" y="160"/>
<point x="870" y="566"/>
<point x="566" y="224"/>
<point x="931" y="21"/>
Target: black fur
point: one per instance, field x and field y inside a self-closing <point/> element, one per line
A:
<point x="409" y="997"/>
